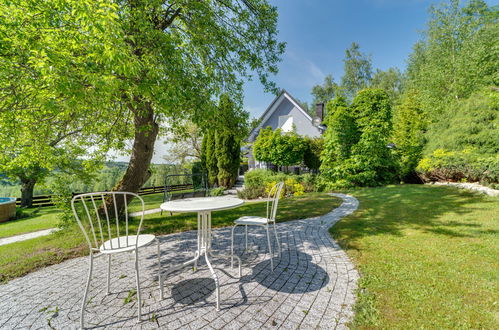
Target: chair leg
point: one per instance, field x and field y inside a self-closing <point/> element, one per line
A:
<point x="160" y="279"/>
<point x="277" y="240"/>
<point x="246" y="235"/>
<point x="139" y="300"/>
<point x="270" y="249"/>
<point x="232" y="249"/>
<point x="108" y="291"/>
<point x="85" y="294"/>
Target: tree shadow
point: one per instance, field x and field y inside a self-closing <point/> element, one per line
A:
<point x="392" y="210"/>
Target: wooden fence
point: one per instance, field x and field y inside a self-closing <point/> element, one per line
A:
<point x="46" y="200"/>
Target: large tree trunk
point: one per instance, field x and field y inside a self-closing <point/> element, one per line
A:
<point x="27" y="188"/>
<point x="137" y="173"/>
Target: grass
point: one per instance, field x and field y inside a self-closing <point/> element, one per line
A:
<point x="34" y="219"/>
<point x="428" y="257"/>
<point x="18" y="259"/>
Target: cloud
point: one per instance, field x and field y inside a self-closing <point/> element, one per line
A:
<point x="305" y="71"/>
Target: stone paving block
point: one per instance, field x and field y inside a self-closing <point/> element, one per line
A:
<point x="312" y="285"/>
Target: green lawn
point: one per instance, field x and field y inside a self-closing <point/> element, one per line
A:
<point x="428" y="257"/>
<point x="36" y="219"/>
<point x="20" y="258"/>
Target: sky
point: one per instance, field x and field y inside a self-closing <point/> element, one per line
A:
<point x="318" y="32"/>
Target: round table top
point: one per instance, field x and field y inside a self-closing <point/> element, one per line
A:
<point x="199" y="204"/>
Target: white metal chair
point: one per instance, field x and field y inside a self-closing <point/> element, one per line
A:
<point x="273" y="200"/>
<point x="105" y="236"/>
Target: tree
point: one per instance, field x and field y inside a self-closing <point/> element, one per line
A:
<point x="54" y="105"/>
<point x="211" y="157"/>
<point x="262" y="147"/>
<point x="341" y="133"/>
<point x="184" y="144"/>
<point x="372" y="161"/>
<point x="409" y="126"/>
<point x="325" y="92"/>
<point x="312" y="152"/>
<point x="231" y="125"/>
<point x="456" y="56"/>
<point x="356" y="139"/>
<point x="391" y="81"/>
<point x="157" y="61"/>
<point x="221" y="145"/>
<point x="357" y="70"/>
<point x="278" y="148"/>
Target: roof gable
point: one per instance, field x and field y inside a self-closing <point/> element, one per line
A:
<point x="274" y="105"/>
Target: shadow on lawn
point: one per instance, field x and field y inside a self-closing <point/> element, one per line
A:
<point x="393" y="209"/>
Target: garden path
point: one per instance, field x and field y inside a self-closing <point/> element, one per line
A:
<point x="312" y="286"/>
<point x="24" y="237"/>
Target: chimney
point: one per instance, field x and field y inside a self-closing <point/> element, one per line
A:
<point x="320" y="112"/>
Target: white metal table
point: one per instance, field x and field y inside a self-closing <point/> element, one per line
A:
<point x="203" y="206"/>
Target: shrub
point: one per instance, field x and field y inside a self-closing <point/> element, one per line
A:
<point x="251" y="193"/>
<point x="217" y="191"/>
<point x="312" y="153"/>
<point x="464" y="165"/>
<point x="256" y="178"/>
<point x="279" y="148"/>
<point x="309" y="182"/>
<point x="258" y="183"/>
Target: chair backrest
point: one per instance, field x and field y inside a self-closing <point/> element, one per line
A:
<point x="99" y="219"/>
<point x="273" y="200"/>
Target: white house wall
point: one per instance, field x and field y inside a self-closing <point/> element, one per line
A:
<point x="302" y="124"/>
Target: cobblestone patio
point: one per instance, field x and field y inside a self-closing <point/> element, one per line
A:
<point x="311" y="287"/>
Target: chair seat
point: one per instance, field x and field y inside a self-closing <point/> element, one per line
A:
<point x="111" y="246"/>
<point x="251" y="220"/>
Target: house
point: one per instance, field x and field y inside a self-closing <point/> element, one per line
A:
<point x="285" y="113"/>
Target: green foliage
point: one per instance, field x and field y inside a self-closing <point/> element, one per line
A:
<point x="372" y="161"/>
<point x="357" y="70"/>
<point x="278" y="148"/>
<point x="61" y="197"/>
<point x="457" y="56"/>
<point x="211" y="157"/>
<point x="55" y="107"/>
<point x="262" y="147"/>
<point x="341" y="134"/>
<point x="391" y="81"/>
<point x="472" y="123"/>
<point x="219" y="191"/>
<point x="464" y="165"/>
<point x="465" y="145"/>
<point x="325" y="92"/>
<point x="355" y="144"/>
<point x="78" y="75"/>
<point x="257" y="183"/>
<point x="231" y="124"/>
<point x="312" y="153"/>
<point x="409" y="126"/>
<point x="251" y="192"/>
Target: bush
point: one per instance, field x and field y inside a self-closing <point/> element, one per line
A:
<point x="251" y="193"/>
<point x="217" y="191"/>
<point x="258" y="183"/>
<point x="465" y="165"/>
<point x="256" y="178"/>
<point x="309" y="182"/>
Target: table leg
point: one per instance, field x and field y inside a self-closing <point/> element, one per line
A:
<point x="206" y="248"/>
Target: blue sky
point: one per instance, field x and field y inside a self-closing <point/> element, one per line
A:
<point x="317" y="32"/>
